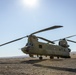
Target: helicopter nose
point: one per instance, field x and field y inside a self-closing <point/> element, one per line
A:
<point x="25" y="49"/>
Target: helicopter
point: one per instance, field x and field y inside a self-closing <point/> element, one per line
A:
<point x="34" y="47"/>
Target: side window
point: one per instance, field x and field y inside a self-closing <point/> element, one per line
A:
<point x="40" y="46"/>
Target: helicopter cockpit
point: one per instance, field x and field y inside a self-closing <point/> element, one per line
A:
<point x="27" y="47"/>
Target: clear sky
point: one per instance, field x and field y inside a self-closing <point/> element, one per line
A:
<point x="19" y="19"/>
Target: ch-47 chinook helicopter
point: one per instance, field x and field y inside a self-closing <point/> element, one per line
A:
<point x="34" y="47"/>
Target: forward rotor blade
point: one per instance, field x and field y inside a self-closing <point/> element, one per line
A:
<point x="71" y="41"/>
<point x="46" y="40"/>
<point x="50" y="28"/>
<point x="13" y="41"/>
<point x="56" y="40"/>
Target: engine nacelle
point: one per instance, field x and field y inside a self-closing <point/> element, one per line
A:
<point x="63" y="43"/>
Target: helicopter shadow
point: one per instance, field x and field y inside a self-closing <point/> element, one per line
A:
<point x="56" y="68"/>
<point x="37" y="60"/>
<point x="21" y="62"/>
<point x="32" y="61"/>
<point x="56" y="59"/>
<point x="36" y="64"/>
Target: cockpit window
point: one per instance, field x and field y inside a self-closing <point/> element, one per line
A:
<point x="29" y="44"/>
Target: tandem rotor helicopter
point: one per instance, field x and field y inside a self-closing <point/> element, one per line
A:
<point x="34" y="47"/>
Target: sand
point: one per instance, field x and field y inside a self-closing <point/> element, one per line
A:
<point x="34" y="66"/>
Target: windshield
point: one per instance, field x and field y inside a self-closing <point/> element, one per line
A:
<point x="29" y="44"/>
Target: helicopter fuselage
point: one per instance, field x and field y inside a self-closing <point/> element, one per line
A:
<point x="33" y="47"/>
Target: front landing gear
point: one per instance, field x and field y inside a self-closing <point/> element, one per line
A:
<point x="40" y="58"/>
<point x="58" y="57"/>
<point x="51" y="57"/>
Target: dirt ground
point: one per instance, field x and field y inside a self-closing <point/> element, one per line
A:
<point x="34" y="66"/>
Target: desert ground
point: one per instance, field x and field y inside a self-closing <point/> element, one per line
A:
<point x="34" y="66"/>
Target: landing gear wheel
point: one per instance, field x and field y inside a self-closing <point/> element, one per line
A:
<point x="51" y="57"/>
<point x="57" y="57"/>
<point x="40" y="58"/>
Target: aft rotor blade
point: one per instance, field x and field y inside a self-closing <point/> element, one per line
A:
<point x="70" y="36"/>
<point x="49" y="28"/>
<point x="46" y="40"/>
<point x="71" y="41"/>
<point x="13" y="41"/>
<point x="65" y="38"/>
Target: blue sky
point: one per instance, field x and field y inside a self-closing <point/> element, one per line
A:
<point x="17" y="21"/>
